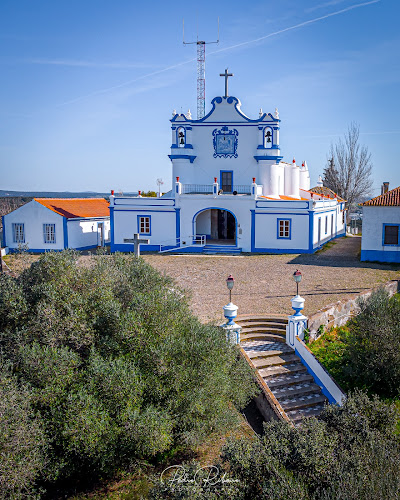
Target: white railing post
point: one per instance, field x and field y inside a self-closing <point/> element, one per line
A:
<point x="178" y="187"/>
<point x="297" y="322"/>
<point x="215" y="188"/>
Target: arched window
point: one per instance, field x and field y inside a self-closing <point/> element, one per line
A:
<point x="268" y="137"/>
<point x="181" y="137"/>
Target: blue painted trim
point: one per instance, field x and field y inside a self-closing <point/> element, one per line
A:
<point x="144" y="209"/>
<point x="185" y="146"/>
<point x="128" y="247"/>
<point x="184" y="157"/>
<point x="392" y="256"/>
<point x="89" y="247"/>
<point x="281" y="251"/>
<point x="172" y="204"/>
<point x="324" y="390"/>
<point x="138" y="224"/>
<point x="3" y="231"/>
<point x="253" y="230"/>
<point x="37" y="250"/>
<point x="311" y="231"/>
<point x="220" y="178"/>
<point x="112" y="229"/>
<point x="258" y="158"/>
<point x="178" y="225"/>
<point x="278" y="213"/>
<point x="274" y="146"/>
<point x="215" y="208"/>
<point x="383" y="235"/>
<point x="290" y="229"/>
<point x="65" y="232"/>
<point x="229" y="100"/>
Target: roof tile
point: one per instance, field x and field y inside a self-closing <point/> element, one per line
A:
<point x="76" y="207"/>
<point x="389" y="199"/>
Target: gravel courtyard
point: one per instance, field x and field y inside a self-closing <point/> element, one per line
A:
<point x="264" y="283"/>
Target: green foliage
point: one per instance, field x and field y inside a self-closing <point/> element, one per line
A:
<point x="366" y="353"/>
<point x="149" y="194"/>
<point x="351" y="453"/>
<point x="117" y="367"/>
<point x="23" y="454"/>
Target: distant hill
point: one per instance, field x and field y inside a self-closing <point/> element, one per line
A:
<point x="55" y="194"/>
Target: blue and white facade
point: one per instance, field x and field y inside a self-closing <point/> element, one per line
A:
<point x="39" y="229"/>
<point x="380" y="239"/>
<point x="231" y="190"/>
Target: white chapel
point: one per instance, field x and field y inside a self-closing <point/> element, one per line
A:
<point x="232" y="192"/>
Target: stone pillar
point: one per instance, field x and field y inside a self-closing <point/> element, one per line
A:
<point x="232" y="330"/>
<point x="297" y="322"/>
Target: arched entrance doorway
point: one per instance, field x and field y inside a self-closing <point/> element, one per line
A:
<point x="217" y="224"/>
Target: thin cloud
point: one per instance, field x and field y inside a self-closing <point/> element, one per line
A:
<point x="87" y="64"/>
<point x="300" y="25"/>
<point x="231" y="47"/>
<point x="323" y="5"/>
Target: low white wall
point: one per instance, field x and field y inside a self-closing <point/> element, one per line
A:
<point x="329" y="387"/>
<point x="83" y="233"/>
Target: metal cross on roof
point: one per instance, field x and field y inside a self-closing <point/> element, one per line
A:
<point x="226" y="75"/>
<point x="136" y="243"/>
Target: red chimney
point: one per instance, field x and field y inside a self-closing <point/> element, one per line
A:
<point x="177" y="179"/>
<point x="254" y="180"/>
<point x="215" y="179"/>
<point x="112" y="192"/>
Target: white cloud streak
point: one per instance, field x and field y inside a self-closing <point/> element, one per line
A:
<point x="231" y="47"/>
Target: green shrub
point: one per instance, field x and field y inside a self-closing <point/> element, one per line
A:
<point x="118" y="368"/>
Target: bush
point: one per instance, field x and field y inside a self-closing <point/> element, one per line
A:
<point x="351" y="453"/>
<point x="118" y="368"/>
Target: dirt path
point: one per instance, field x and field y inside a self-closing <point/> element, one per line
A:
<point x="264" y="283"/>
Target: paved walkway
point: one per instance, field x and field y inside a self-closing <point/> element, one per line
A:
<point x="264" y="283"/>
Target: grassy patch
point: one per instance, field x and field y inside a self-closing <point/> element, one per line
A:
<point x="328" y="245"/>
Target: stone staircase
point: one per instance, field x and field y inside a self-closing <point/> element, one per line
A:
<point x="263" y="339"/>
<point x="221" y="249"/>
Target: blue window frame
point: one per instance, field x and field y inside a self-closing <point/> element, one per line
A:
<point x="284" y="229"/>
<point x="18" y="232"/>
<point x="226" y="181"/>
<point x="326" y="224"/>
<point x="49" y="233"/>
<point x="390" y="234"/>
<point x="144" y="224"/>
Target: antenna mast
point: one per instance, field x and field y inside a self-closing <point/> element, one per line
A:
<point x="201" y="72"/>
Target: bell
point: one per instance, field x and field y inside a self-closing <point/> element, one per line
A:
<point x="269" y="139"/>
<point x="182" y="141"/>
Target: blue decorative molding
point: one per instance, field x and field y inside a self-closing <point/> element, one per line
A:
<point x="4" y="231"/>
<point x="225" y="143"/>
<point x="183" y="157"/>
<point x="65" y="231"/>
<point x="185" y="146"/>
<point x="277" y="158"/>
<point x="380" y="255"/>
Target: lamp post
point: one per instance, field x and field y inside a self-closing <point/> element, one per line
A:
<point x="229" y="283"/>
<point x="297" y="279"/>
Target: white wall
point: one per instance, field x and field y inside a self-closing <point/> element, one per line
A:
<point x="203" y="223"/>
<point x="33" y="215"/>
<point x="84" y="233"/>
<point x="372" y="227"/>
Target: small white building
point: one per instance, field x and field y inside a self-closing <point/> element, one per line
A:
<point x="380" y="227"/>
<point x="231" y="192"/>
<point x="46" y="224"/>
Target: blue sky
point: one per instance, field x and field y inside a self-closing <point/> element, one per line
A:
<point x="87" y="87"/>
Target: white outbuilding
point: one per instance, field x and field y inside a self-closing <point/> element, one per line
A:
<point x="380" y="239"/>
<point x="231" y="192"/>
<point x="46" y="224"/>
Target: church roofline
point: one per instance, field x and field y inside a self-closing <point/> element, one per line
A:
<point x="230" y="100"/>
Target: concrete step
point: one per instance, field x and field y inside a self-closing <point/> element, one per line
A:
<point x="264" y="329"/>
<point x="266" y="354"/>
<point x="262" y="336"/>
<point x="221" y="249"/>
<point x="310" y="411"/>
<point x="262" y="324"/>
<point x="302" y="401"/>
<point x="277" y="318"/>
<point x="288" y="380"/>
<point x="273" y="371"/>
<point x="295" y="390"/>
<point x="265" y="361"/>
